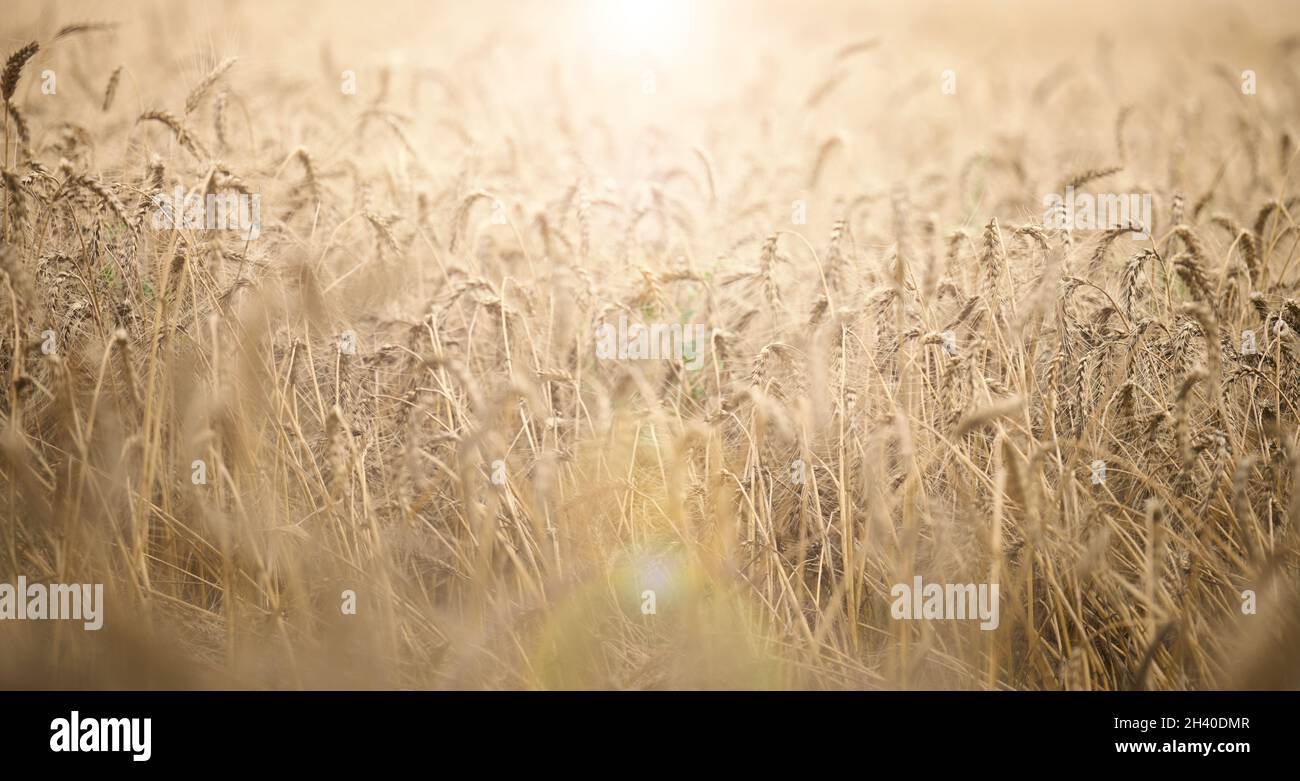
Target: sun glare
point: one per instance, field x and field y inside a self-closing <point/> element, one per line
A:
<point x="658" y="28"/>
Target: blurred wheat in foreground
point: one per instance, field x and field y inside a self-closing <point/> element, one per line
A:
<point x="392" y="395"/>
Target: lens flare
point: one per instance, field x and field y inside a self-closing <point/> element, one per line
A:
<point x="641" y="27"/>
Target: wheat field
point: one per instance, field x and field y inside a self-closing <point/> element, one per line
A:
<point x="375" y="443"/>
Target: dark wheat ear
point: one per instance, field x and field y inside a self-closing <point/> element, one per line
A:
<point x="110" y="91"/>
<point x="20" y="124"/>
<point x="183" y="134"/>
<point x="14" y="69"/>
<point x="1090" y="175"/>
